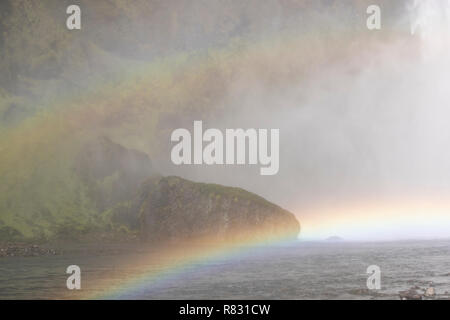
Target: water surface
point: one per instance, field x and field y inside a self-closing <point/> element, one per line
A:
<point x="302" y="270"/>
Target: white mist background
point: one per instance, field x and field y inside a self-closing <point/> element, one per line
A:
<point x="368" y="127"/>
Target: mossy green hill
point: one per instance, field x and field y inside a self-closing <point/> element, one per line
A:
<point x="121" y="196"/>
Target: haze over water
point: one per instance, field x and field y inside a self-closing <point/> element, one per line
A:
<point x="302" y="270"/>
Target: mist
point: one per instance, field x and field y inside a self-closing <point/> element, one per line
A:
<point x="362" y="114"/>
<point x="363" y="124"/>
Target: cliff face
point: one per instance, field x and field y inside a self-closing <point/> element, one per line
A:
<point x="174" y="209"/>
<point x="117" y="194"/>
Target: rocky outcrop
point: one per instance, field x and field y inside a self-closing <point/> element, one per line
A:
<point x="418" y="293"/>
<point x="113" y="192"/>
<point x="175" y="209"/>
<point x="137" y="201"/>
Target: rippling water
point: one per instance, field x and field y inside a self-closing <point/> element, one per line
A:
<point x="303" y="270"/>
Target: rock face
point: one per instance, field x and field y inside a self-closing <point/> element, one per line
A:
<point x="112" y="192"/>
<point x="174" y="209"/>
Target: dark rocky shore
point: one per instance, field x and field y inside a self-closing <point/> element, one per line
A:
<point x="418" y="293"/>
<point x="20" y="249"/>
<point x="25" y="250"/>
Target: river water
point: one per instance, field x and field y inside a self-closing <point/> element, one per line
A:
<point x="300" y="270"/>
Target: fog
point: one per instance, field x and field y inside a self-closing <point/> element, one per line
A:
<point x="372" y="124"/>
<point x="363" y="115"/>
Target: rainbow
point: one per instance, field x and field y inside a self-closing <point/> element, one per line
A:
<point x="128" y="109"/>
<point x="167" y="83"/>
<point x="147" y="90"/>
<point x="142" y="91"/>
<point x="169" y="263"/>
